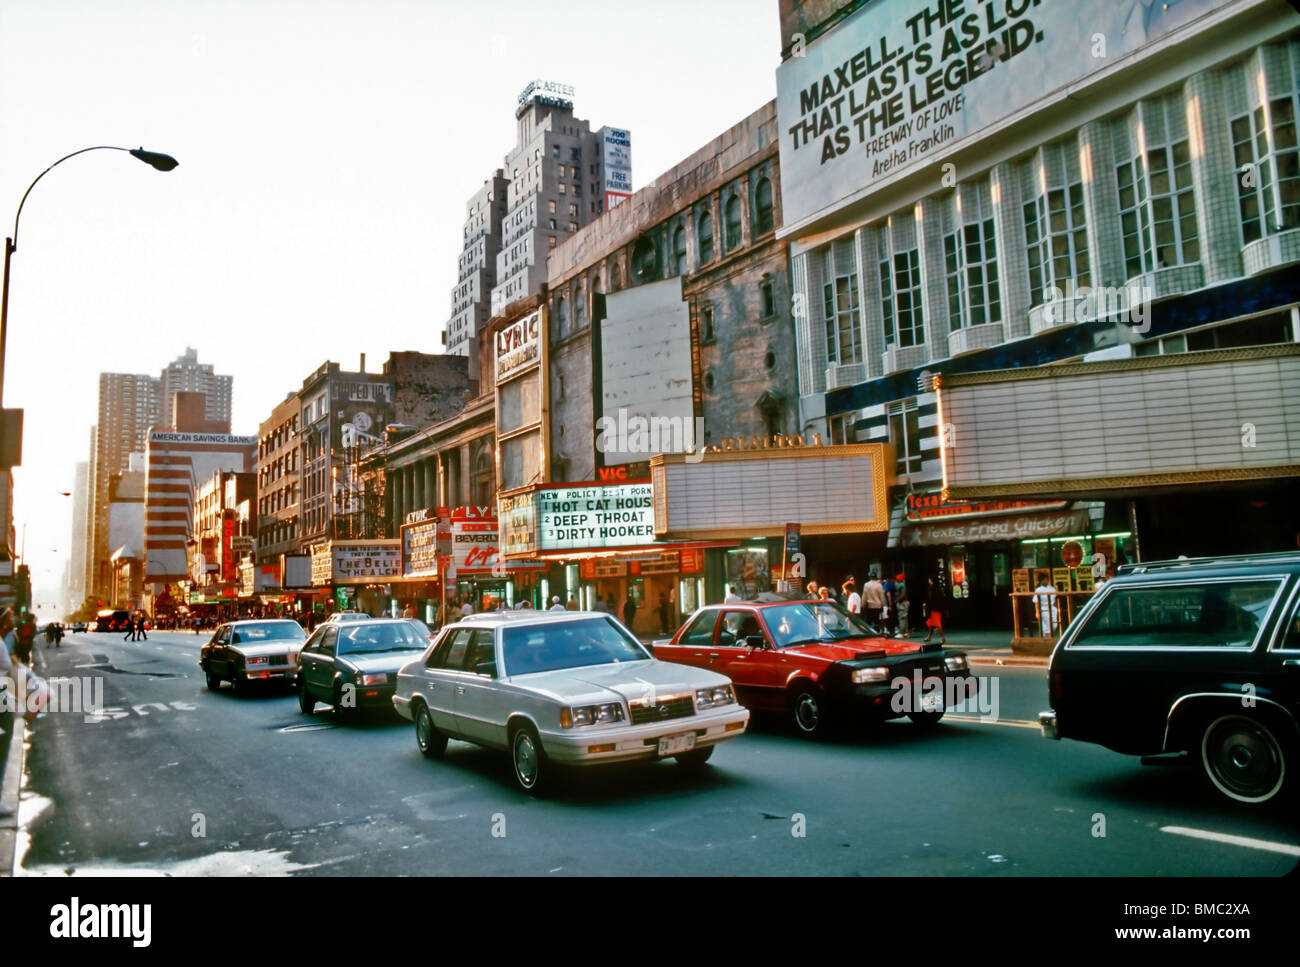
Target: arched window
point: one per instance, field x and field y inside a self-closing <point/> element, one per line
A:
<point x="679" y="251"/>
<point x="763" y="207"/>
<point x="579" y="308"/>
<point x="562" y="315"/>
<point x="706" y="238"/>
<point x="484" y="478"/>
<point x="733" y="223"/>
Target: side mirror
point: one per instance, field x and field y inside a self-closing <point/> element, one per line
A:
<point x="755" y="641"/>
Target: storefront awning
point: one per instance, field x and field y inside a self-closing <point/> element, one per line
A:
<point x="629" y="553"/>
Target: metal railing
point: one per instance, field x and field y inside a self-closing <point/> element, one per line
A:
<point x="1037" y="614"/>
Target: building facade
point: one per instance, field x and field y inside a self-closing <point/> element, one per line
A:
<point x="951" y="214"/>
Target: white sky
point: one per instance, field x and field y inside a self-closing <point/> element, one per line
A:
<point x="326" y="149"/>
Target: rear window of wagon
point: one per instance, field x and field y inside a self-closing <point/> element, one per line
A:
<point x="1221" y="613"/>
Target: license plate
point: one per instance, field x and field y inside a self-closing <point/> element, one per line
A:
<point x="676" y="744"/>
<point x="931" y="702"/>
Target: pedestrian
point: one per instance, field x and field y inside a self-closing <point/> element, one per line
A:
<point x="901" y="604"/>
<point x="8" y="692"/>
<point x="466" y="609"/>
<point x="25" y="636"/>
<point x="824" y="593"/>
<point x="888" y="617"/>
<point x="873" y="600"/>
<point x="934" y="605"/>
<point x="852" y="600"/>
<point x="731" y="594"/>
<point x="664" y="606"/>
<point x="556" y="605"/>
<point x="572" y="605"/>
<point x="812" y="590"/>
<point x="629" y="608"/>
<point x="1045" y="605"/>
<point x="140" y="631"/>
<point x="408" y="611"/>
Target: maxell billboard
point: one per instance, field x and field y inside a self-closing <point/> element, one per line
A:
<point x="901" y="83"/>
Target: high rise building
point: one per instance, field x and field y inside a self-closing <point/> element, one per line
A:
<point x="559" y="176"/>
<point x="76" y="578"/>
<point x="129" y="404"/>
<point x="186" y="374"/>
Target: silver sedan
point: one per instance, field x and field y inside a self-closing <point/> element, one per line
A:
<point x="564" y="688"/>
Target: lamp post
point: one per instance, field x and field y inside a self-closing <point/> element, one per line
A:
<point x="162" y="162"/>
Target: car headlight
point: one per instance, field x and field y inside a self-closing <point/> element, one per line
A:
<point x="380" y="678"/>
<point x="263" y="660"/>
<point x="861" y="676"/>
<point x="957" y="663"/>
<point x="591" y="715"/>
<point x="713" y="697"/>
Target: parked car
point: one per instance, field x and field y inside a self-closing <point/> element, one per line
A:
<point x="338" y="616"/>
<point x="819" y="664"/>
<point x="110" y="620"/>
<point x="354" y="664"/>
<point x="1197" y="657"/>
<point x="255" y="650"/>
<point x="420" y="628"/>
<point x="78" y="626"/>
<point x="562" y="688"/>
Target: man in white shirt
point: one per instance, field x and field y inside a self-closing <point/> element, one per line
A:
<point x="874" y="600"/>
<point x="852" y="600"/>
<point x="557" y="604"/>
<point x="732" y="596"/>
<point x="466" y="609"/>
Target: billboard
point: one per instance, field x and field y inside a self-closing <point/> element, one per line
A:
<point x="580" y="516"/>
<point x="616" y="162"/>
<point x="647" y="393"/>
<point x="355" y="562"/>
<point x="901" y="83"/>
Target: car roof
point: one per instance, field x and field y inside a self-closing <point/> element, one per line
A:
<point x="527" y="616"/>
<point x="1227" y="565"/>
<point x="262" y="621"/>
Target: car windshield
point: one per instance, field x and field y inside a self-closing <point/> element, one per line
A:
<point x="271" y="631"/>
<point x="567" y="644"/>
<point x="808" y="622"/>
<point x="375" y="636"/>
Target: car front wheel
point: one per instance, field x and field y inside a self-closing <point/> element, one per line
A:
<point x="807" y="712"/>
<point x="214" y="682"/>
<point x="927" y="720"/>
<point x="1243" y="759"/>
<point x="432" y="742"/>
<point x="532" y="771"/>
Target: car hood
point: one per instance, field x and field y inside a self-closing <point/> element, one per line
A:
<point x="383" y="661"/>
<point x="850" y="648"/>
<point x="637" y="681"/>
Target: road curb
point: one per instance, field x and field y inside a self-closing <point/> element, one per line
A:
<point x="13" y="784"/>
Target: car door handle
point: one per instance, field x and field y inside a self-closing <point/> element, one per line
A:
<point x="713" y="654"/>
<point x="460" y="689"/>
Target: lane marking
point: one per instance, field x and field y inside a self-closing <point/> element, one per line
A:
<point x="1013" y="723"/>
<point x="1286" y="849"/>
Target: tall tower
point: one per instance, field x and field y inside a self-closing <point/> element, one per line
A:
<point x="559" y="176"/>
<point x="186" y="374"/>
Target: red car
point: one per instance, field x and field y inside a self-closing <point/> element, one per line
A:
<point x="819" y="664"/>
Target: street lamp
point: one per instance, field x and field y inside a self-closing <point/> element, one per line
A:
<point x="161" y="162"/>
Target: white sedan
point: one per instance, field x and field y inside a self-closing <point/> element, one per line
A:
<point x="569" y="688"/>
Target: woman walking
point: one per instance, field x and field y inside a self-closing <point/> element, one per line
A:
<point x="934" y="605"/>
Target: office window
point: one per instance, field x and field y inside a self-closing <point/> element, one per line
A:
<point x="900" y="289"/>
<point x="706" y="238"/>
<point x="971" y="266"/>
<point x="573" y="210"/>
<point x="732" y="237"/>
<point x="550" y="206"/>
<point x="905" y="435"/>
<point x="1270" y="203"/>
<point x="1057" y="240"/>
<point x="1158" y="209"/>
<point x="840" y="312"/>
<point x="706" y="324"/>
<point x="763" y="209"/>
<point x="679" y="251"/>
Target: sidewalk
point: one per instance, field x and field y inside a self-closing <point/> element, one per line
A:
<point x="13" y="783"/>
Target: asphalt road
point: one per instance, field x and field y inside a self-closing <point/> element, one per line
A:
<point x="172" y="778"/>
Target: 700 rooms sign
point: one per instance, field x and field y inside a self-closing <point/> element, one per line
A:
<point x="583" y="516"/>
